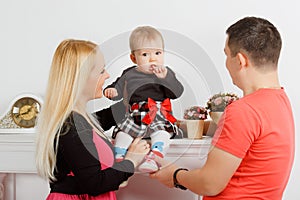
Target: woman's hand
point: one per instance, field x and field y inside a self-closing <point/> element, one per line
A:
<point x="137" y="151"/>
<point x="110" y="92"/>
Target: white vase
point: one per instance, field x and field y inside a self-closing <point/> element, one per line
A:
<point x="194" y="129"/>
<point x="215" y="116"/>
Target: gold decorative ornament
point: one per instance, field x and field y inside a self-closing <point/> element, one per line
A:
<point x="22" y="113"/>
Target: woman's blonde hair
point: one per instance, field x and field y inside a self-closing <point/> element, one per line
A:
<point x="71" y="65"/>
<point x="145" y="34"/>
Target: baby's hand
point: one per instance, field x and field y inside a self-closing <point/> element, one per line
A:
<point x="110" y="93"/>
<point x="160" y="71"/>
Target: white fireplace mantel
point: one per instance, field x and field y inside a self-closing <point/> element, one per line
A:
<point x="17" y="147"/>
<point x="17" y="157"/>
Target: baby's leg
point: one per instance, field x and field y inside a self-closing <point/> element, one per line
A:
<point x="160" y="142"/>
<point x="122" y="142"/>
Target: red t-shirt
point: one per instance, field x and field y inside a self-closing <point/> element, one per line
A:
<point x="259" y="128"/>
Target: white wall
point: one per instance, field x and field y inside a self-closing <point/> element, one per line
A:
<point x="32" y="29"/>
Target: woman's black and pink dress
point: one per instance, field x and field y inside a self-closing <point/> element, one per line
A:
<point x="85" y="166"/>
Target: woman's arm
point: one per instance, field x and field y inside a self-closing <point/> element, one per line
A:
<point x="79" y="154"/>
<point x="112" y="115"/>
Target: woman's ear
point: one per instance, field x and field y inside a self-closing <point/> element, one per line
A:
<point x="243" y="59"/>
<point x="132" y="57"/>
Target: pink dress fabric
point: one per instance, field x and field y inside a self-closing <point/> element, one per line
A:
<point x="106" y="157"/>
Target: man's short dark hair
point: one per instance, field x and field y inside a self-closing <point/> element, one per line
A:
<point x="257" y="37"/>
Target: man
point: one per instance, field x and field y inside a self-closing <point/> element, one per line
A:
<point x="253" y="147"/>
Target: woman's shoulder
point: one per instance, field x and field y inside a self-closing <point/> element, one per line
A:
<point x="75" y="125"/>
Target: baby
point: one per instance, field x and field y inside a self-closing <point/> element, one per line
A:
<point x="147" y="88"/>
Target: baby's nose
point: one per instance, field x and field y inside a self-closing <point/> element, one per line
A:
<point x="152" y="58"/>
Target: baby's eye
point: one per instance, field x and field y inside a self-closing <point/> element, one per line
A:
<point x="144" y="54"/>
<point x="158" y="53"/>
<point x="102" y="71"/>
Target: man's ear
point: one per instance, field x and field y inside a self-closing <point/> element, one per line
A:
<point x="243" y="59"/>
<point x="132" y="57"/>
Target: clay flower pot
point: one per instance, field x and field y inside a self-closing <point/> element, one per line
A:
<point x="215" y="116"/>
<point x="194" y="120"/>
<point x="194" y="128"/>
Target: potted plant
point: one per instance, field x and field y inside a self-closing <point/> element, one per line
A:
<point x="194" y="118"/>
<point x="217" y="104"/>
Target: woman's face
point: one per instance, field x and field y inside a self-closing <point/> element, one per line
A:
<point x="97" y="77"/>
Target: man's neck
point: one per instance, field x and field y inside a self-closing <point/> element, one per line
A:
<point x="262" y="80"/>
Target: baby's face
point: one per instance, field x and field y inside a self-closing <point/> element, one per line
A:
<point x="148" y="59"/>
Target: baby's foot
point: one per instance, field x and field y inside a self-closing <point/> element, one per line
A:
<point x="148" y="166"/>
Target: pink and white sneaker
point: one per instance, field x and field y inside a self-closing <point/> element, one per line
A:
<point x="148" y="166"/>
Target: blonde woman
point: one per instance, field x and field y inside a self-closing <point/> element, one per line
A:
<point x="73" y="152"/>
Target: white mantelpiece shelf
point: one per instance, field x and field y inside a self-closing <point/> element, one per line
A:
<point x="17" y="151"/>
<point x="17" y="157"/>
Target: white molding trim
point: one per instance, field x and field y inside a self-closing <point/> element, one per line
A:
<point x="17" y="150"/>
